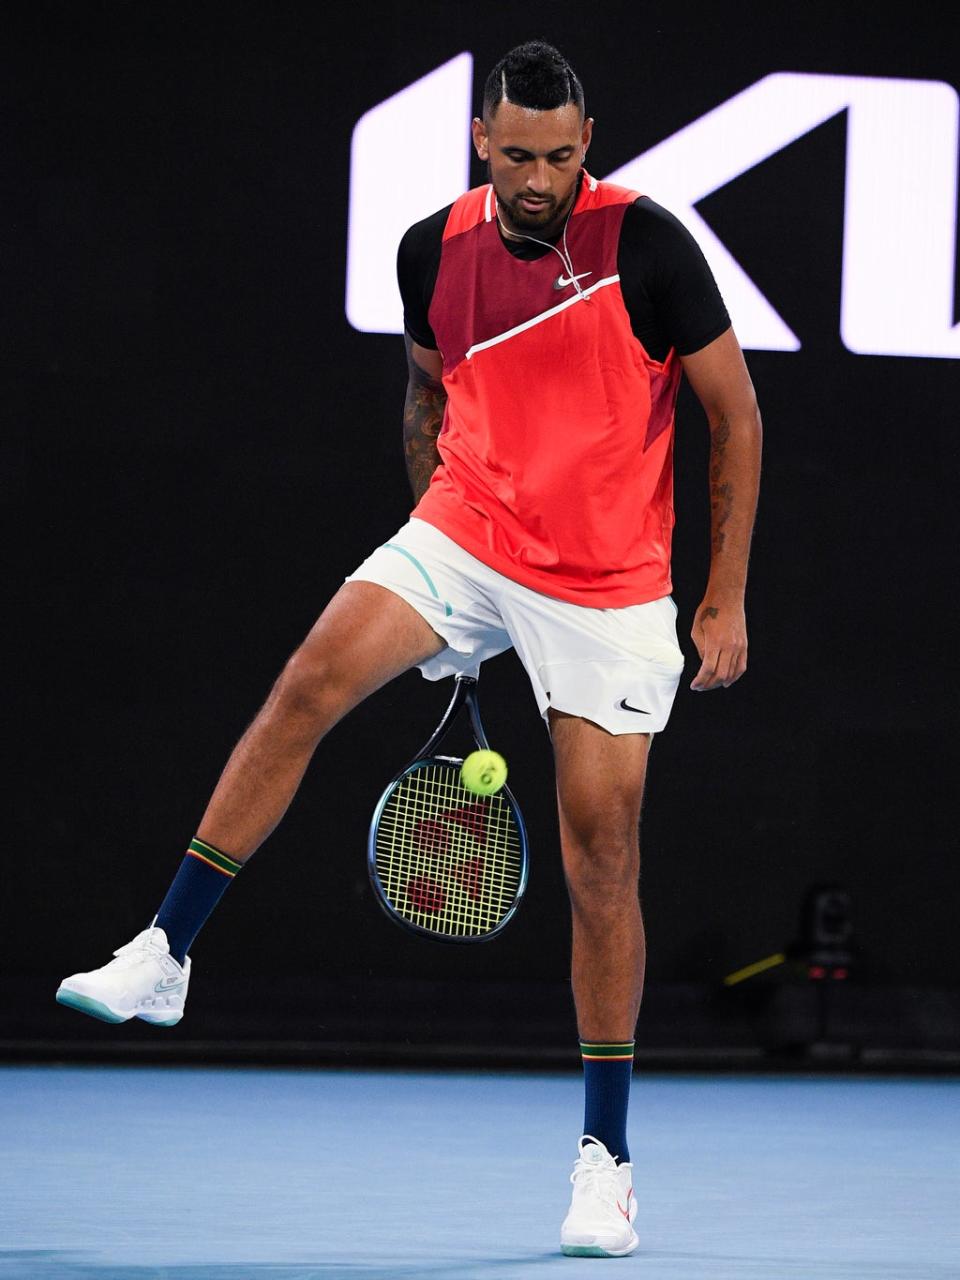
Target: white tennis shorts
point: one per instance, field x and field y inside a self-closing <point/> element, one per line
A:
<point x="617" y="667"/>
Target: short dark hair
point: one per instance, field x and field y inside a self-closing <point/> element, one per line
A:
<point x="533" y="75"/>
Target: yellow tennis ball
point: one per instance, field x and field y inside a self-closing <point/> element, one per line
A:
<point x="484" y="772"/>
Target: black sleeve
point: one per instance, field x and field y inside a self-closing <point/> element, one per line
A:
<point x="669" y="289"/>
<point x="418" y="261"/>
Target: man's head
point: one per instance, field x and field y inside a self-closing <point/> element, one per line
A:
<point x="534" y="136"/>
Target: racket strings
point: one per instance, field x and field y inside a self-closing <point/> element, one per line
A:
<point x="448" y="860"/>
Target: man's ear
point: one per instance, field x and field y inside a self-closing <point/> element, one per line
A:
<point x="480" y="139"/>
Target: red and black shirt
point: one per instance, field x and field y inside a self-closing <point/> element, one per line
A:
<point x="557" y="441"/>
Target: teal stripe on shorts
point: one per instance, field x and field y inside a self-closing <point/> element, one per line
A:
<point x="423" y="573"/>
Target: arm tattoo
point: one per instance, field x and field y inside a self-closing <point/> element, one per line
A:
<point x="721" y="491"/>
<point x="422" y="419"/>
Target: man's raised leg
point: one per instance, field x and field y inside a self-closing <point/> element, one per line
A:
<point x="600" y="779"/>
<point x="365" y="637"/>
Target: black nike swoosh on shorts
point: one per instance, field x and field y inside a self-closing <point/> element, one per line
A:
<point x="624" y="705"/>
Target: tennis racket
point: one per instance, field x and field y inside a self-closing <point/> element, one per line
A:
<point x="444" y="862"/>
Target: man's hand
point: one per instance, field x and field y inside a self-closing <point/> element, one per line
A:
<point x="720" y="633"/>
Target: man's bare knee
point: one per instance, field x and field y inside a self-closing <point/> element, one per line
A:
<point x="310" y="688"/>
<point x="603" y="870"/>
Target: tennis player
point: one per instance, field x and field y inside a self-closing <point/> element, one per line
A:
<point x="549" y="320"/>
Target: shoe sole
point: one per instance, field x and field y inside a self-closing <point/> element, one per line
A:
<point x="85" y="1004"/>
<point x="595" y="1251"/>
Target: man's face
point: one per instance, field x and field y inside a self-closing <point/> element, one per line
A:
<point x="534" y="159"/>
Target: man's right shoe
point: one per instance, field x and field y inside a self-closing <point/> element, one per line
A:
<point x="143" y="981"/>
<point x="603" y="1208"/>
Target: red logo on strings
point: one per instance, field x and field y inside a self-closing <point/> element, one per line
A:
<point x="433" y="838"/>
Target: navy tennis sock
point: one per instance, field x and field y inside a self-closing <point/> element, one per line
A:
<point x="197" y="887"/>
<point x="606" y="1076"/>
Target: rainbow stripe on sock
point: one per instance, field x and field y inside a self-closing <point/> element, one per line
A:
<point x="620" y="1052"/>
<point x="213" y="857"/>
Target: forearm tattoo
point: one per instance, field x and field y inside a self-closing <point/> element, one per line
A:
<point x="721" y="489"/>
<point x="422" y="419"/>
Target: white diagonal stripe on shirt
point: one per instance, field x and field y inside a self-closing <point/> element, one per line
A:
<point x="544" y="315"/>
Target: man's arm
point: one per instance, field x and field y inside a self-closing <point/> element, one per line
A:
<point x="719" y="378"/>
<point x="422" y="415"/>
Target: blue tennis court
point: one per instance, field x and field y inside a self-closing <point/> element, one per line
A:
<point x="192" y="1174"/>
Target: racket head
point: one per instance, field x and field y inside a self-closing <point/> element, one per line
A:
<point x="443" y="862"/>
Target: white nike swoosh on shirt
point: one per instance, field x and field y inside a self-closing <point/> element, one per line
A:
<point x="562" y="281"/>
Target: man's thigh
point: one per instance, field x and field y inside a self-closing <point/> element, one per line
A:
<point x="365" y="637"/>
<point x="600" y="779"/>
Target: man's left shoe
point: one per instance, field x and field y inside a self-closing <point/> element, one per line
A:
<point x="600" y="1221"/>
<point x="143" y="981"/>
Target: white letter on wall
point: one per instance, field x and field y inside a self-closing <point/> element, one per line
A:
<point x="899" y="230"/>
<point x="389" y="190"/>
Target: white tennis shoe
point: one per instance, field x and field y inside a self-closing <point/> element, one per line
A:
<point x="600" y="1221"/>
<point x="143" y="981"/>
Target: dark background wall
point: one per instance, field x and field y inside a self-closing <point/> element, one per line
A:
<point x="198" y="447"/>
